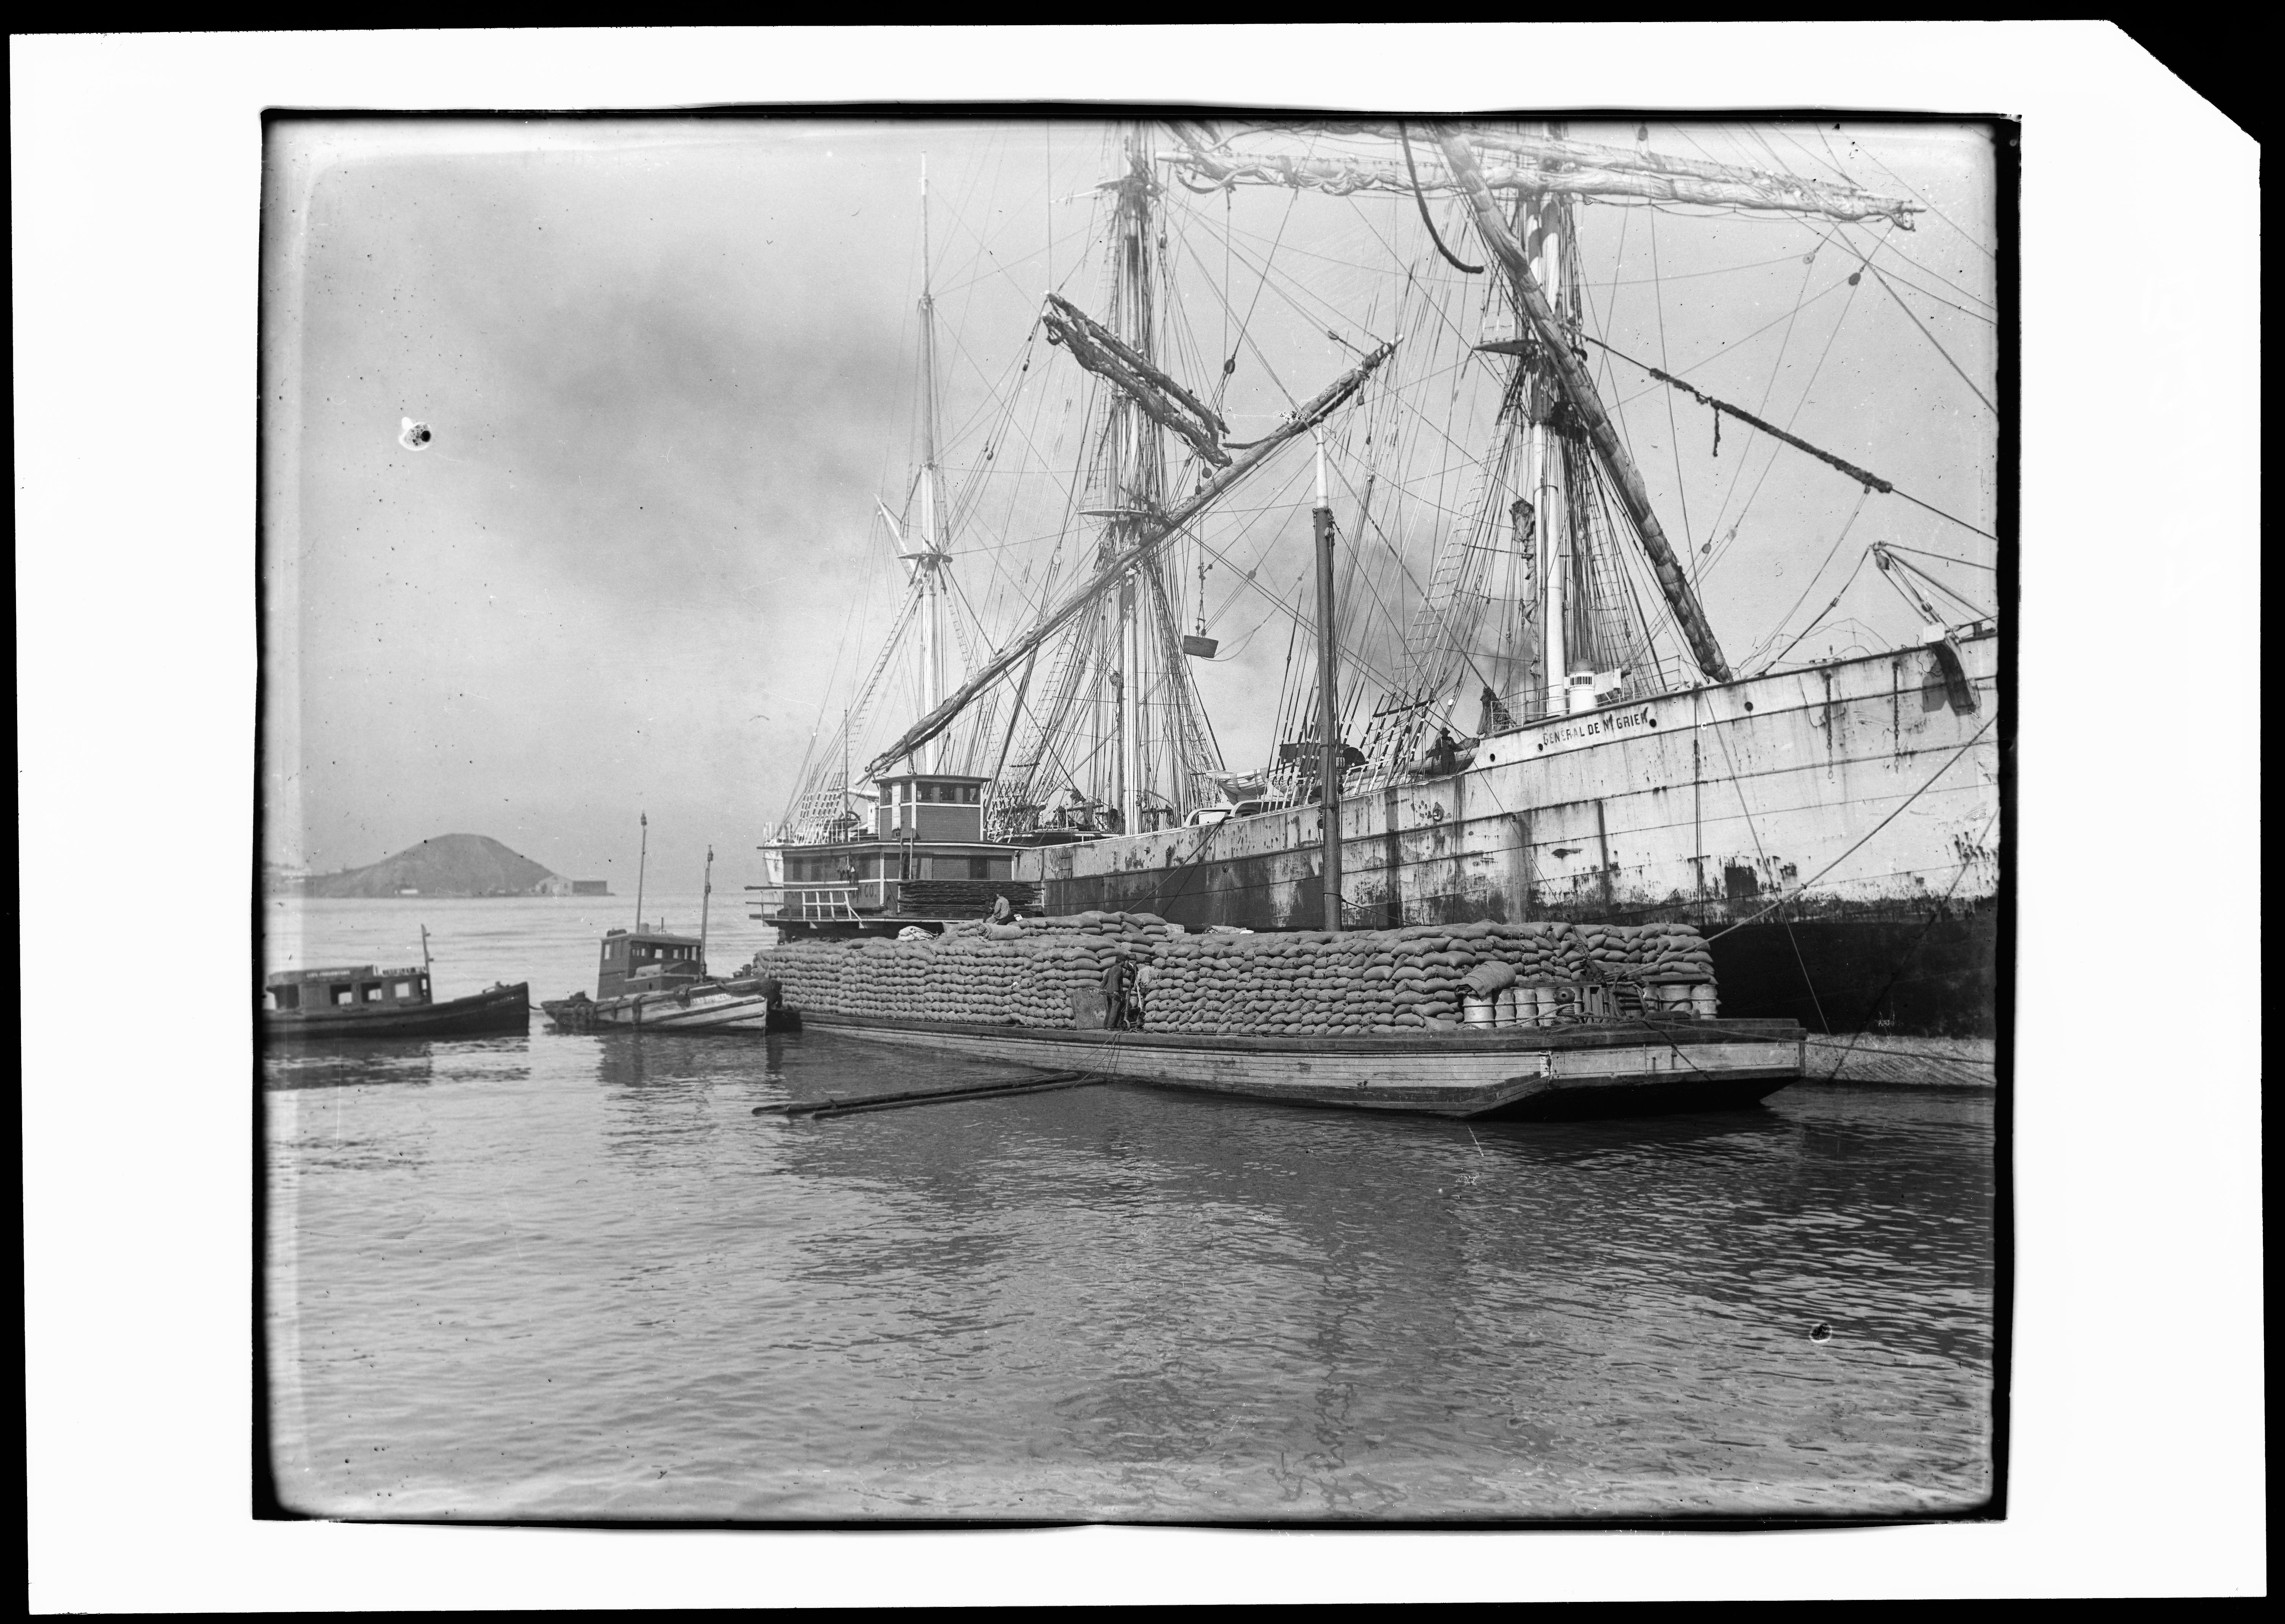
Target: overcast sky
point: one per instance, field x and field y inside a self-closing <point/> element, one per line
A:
<point x="669" y="365"/>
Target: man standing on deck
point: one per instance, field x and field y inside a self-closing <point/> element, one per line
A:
<point x="1118" y="977"/>
<point x="1146" y="978"/>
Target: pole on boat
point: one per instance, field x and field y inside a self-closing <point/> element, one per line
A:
<point x="705" y="904"/>
<point x="427" y="972"/>
<point x="640" y="863"/>
<point x="1328" y="746"/>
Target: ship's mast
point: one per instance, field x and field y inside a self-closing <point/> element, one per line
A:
<point x="1579" y="392"/>
<point x="1544" y="233"/>
<point x="931" y="554"/>
<point x="1329" y="742"/>
<point x="1138" y="482"/>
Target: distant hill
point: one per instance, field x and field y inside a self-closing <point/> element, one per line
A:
<point x="445" y="866"/>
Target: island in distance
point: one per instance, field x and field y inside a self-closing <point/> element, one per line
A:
<point x="443" y="865"/>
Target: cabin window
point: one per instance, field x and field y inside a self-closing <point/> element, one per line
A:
<point x="400" y="989"/>
<point x="288" y="998"/>
<point x="372" y="991"/>
<point x="344" y="995"/>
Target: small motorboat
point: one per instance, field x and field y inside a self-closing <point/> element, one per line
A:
<point x="363" y="1001"/>
<point x="654" y="981"/>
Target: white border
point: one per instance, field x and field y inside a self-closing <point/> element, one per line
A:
<point x="2138" y="1408"/>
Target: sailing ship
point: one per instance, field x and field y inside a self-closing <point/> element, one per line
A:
<point x="1519" y="706"/>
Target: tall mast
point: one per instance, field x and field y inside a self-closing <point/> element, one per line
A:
<point x="1579" y="388"/>
<point x="931" y="550"/>
<point x="1138" y="475"/>
<point x="1544" y="235"/>
<point x="1329" y="744"/>
<point x="705" y="904"/>
<point x="642" y="864"/>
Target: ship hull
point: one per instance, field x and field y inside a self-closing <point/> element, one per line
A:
<point x="1639" y="1069"/>
<point x="739" y="1006"/>
<point x="1833" y="831"/>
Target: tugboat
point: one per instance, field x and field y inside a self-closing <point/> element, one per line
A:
<point x="651" y="979"/>
<point x="365" y="1001"/>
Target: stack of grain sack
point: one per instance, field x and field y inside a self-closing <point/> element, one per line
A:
<point x="1021" y="973"/>
<point x="1301" y="983"/>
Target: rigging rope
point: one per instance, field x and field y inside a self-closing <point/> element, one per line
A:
<point x="1450" y="258"/>
<point x="1872" y="481"/>
<point x="1829" y="608"/>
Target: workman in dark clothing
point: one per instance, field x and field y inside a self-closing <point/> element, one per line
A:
<point x="1118" y="977"/>
<point x="1444" y="755"/>
<point x="1002" y="910"/>
<point x="773" y="993"/>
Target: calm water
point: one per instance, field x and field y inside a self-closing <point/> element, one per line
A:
<point x="575" y="1278"/>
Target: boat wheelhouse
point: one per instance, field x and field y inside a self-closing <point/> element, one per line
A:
<point x="645" y="960"/>
<point x="923" y="860"/>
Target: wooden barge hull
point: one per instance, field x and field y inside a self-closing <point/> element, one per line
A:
<point x="497" y="1011"/>
<point x="1625" y="1069"/>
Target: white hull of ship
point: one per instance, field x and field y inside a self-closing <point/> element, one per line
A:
<point x="1852" y="790"/>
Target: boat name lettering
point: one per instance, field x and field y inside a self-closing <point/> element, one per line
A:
<point x="1596" y="727"/>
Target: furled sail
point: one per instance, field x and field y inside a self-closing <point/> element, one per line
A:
<point x="1519" y="163"/>
<point x="1169" y="404"/>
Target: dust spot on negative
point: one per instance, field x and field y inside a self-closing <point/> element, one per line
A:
<point x="413" y="436"/>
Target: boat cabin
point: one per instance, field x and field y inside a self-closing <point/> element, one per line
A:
<point x="354" y="988"/>
<point x="930" y="806"/>
<point x="645" y="960"/>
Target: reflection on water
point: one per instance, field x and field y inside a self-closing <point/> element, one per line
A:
<point x="576" y="1276"/>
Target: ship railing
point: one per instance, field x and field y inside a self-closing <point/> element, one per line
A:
<point x="799" y="901"/>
